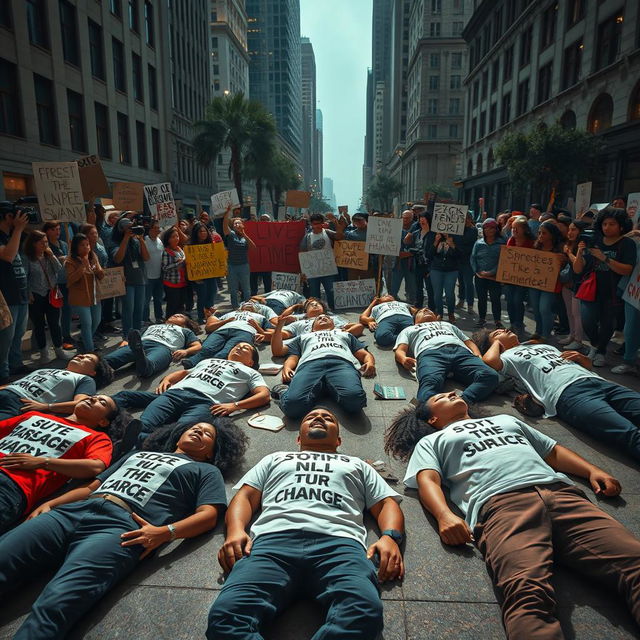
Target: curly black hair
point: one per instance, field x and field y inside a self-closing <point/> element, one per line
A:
<point x="619" y="215"/>
<point x="481" y="339"/>
<point x="230" y="446"/>
<point x="123" y="430"/>
<point x="406" y="430"/>
<point x="104" y="373"/>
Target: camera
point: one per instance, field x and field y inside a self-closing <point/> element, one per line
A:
<point x="137" y="230"/>
<point x="588" y="236"/>
<point x="29" y="206"/>
<point x="33" y="217"/>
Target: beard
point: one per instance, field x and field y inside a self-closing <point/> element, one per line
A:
<point x="316" y="433"/>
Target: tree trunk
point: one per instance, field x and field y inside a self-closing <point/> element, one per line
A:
<point x="258" y="195"/>
<point x="236" y="171"/>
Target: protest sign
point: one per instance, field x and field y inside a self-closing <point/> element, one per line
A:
<point x="127" y="196"/>
<point x="297" y="199"/>
<point x="449" y="218"/>
<point x="288" y="281"/>
<point x="161" y="205"/>
<point x="206" y="260"/>
<point x="92" y="178"/>
<point x="112" y="285"/>
<point x="633" y="207"/>
<point x="632" y="290"/>
<point x="317" y="264"/>
<point x="351" y="254"/>
<point x="354" y="294"/>
<point x="583" y="197"/>
<point x="220" y="202"/>
<point x="383" y="236"/>
<point x="343" y="208"/>
<point x="277" y="245"/>
<point x="528" y="268"/>
<point x="59" y="191"/>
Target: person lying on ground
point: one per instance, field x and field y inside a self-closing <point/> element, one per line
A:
<point x="387" y="317"/>
<point x="297" y="324"/>
<point x="279" y="299"/>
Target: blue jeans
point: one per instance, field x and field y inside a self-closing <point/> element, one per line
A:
<point x="486" y="286"/>
<point x="423" y="279"/>
<point x="631" y="333"/>
<point x="389" y="329"/>
<point x="403" y="270"/>
<point x="606" y="411"/>
<point x="158" y="356"/>
<point x="219" y="343"/>
<point x="65" y="312"/>
<point x="10" y="406"/>
<point x="465" y="289"/>
<point x="444" y="283"/>
<point x="435" y="364"/>
<point x="11" y="339"/>
<point x="238" y="276"/>
<point x="13" y="502"/>
<point x="544" y="310"/>
<point x="89" y="320"/>
<point x="206" y="291"/>
<point x="153" y="289"/>
<point x="333" y="376"/>
<point x="515" y="303"/>
<point x="335" y="571"/>
<point x="327" y="283"/>
<point x="599" y="320"/>
<point x="132" y="306"/>
<point x="82" y="541"/>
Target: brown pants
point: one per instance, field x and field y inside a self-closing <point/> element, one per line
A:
<point x="519" y="532"/>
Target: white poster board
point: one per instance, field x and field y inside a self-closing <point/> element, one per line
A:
<point x="288" y="281"/>
<point x="384" y="236"/>
<point x="316" y="264"/>
<point x="354" y="294"/>
<point x="449" y="218"/>
<point x="59" y="191"/>
<point x="220" y="202"/>
<point x="633" y="207"/>
<point x="583" y="197"/>
<point x="161" y="204"/>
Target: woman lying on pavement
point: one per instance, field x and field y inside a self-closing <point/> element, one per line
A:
<point x="387" y="317"/>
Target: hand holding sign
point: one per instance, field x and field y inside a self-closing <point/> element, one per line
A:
<point x="449" y="218"/>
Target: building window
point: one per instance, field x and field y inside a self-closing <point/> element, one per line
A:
<point x="68" y="27"/>
<point x="149" y="29"/>
<point x="155" y="149"/>
<point x="601" y="114"/>
<point x="476" y="93"/>
<point x="456" y="28"/>
<point x="548" y="26"/>
<point x="458" y="6"/>
<point x="6" y="20"/>
<point x="609" y="34"/>
<point x="479" y="168"/>
<point x="455" y="82"/>
<point x="434" y="60"/>
<point x="572" y="64"/>
<point x="505" y="113"/>
<point x="37" y="23"/>
<point x="470" y="168"/>
<point x="434" y="83"/>
<point x="454" y="131"/>
<point x="153" y="87"/>
<point x="482" y="124"/>
<point x="456" y="60"/>
<point x="485" y="84"/>
<point x="634" y="104"/>
<point x="124" y="148"/>
<point x="436" y="6"/>
<point x="134" y="22"/>
<point x="525" y="47"/>
<point x="432" y="131"/>
<point x="474" y="128"/>
<point x="96" y="50"/>
<point x="493" y="117"/>
<point x="432" y="106"/>
<point x="497" y="25"/>
<point x="434" y="29"/>
<point x="568" y="120"/>
<point x="102" y="130"/>
<point x="116" y="7"/>
<point x="76" y="121"/>
<point x="575" y="12"/>
<point x="523" y="97"/>
<point x="10" y="115"/>
<point x="119" y="76"/>
<point x="141" y="140"/>
<point x="544" y="82"/>
<point x="454" y="106"/>
<point x="136" y="76"/>
<point x="46" y="110"/>
<point x="507" y="64"/>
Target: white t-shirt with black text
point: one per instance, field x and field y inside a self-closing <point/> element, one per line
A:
<point x="286" y="297"/>
<point x="332" y="343"/>
<point x="430" y="335"/>
<point x="241" y="321"/>
<point x="53" y="385"/>
<point x="388" y="309"/>
<point x="299" y="327"/>
<point x="170" y="335"/>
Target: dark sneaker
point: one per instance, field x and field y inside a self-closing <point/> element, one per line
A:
<point x="187" y="364"/>
<point x="277" y="391"/>
<point x="143" y="366"/>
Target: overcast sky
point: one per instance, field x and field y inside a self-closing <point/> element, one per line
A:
<point x="340" y="32"/>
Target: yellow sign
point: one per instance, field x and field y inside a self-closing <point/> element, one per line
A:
<point x="351" y="254"/>
<point x="206" y="260"/>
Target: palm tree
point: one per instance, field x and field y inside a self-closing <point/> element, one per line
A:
<point x="232" y="122"/>
<point x="382" y="190"/>
<point x="259" y="157"/>
<point x="282" y="176"/>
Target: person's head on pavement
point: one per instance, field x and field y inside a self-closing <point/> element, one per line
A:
<point x="425" y="315"/>
<point x="92" y="365"/>
<point x="323" y="323"/>
<point x="246" y="354"/>
<point x="319" y="431"/>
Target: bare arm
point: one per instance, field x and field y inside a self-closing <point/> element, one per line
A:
<point x="171" y="379"/>
<point x="144" y="251"/>
<point x="388" y="516"/>
<point x="368" y="363"/>
<point x="122" y="249"/>
<point x="289" y="367"/>
<point x="474" y="348"/>
<point x="403" y="359"/>
<point x="63" y="408"/>
<point x="226" y="221"/>
<point x="492" y="356"/>
<point x="75" y="495"/>
<point x="9" y="251"/>
<point x="278" y="348"/>
<point x="365" y="316"/>
<point x="83" y="468"/>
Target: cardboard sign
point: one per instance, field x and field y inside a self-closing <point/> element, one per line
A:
<point x="112" y="285"/>
<point x="343" y="208"/>
<point x="127" y="196"/>
<point x="528" y="268"/>
<point x="383" y="236"/>
<point x="277" y="245"/>
<point x="206" y="260"/>
<point x="351" y="254"/>
<point x="59" y="191"/>
<point x="632" y="290"/>
<point x="92" y="178"/>
<point x="354" y="294"/>
<point x="288" y="281"/>
<point x="220" y="202"/>
<point x="633" y="207"/>
<point x="297" y="199"/>
<point x="161" y="204"/>
<point x="449" y="218"/>
<point x="317" y="264"/>
<point x="583" y="197"/>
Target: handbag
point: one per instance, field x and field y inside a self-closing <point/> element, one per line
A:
<point x="587" y="289"/>
<point x="56" y="300"/>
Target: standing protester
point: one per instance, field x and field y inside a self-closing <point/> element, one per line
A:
<point x="521" y="236"/>
<point x="465" y="243"/>
<point x="387" y="318"/>
<point x="419" y="242"/>
<point x="308" y="538"/>
<point x="484" y="263"/>
<point x="404" y="264"/>
<point x="445" y="262"/>
<point x="45" y="298"/>
<point x="206" y="288"/>
<point x="83" y="273"/>
<point x="631" y="330"/>
<point x="91" y="231"/>
<point x="153" y="272"/>
<point x="535" y="212"/>
<point x="238" y="244"/>
<point x="611" y="257"/>
<point x="174" y="272"/>
<point x="315" y="240"/>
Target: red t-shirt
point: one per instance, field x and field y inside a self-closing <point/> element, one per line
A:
<point x="511" y="242"/>
<point x="41" y="434"/>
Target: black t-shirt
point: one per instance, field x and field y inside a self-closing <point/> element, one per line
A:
<point x="607" y="280"/>
<point x="13" y="277"/>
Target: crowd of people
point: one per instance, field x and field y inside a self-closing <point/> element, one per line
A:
<point x="90" y="491"/>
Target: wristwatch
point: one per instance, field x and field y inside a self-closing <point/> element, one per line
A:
<point x="394" y="534"/>
<point x="172" y="532"/>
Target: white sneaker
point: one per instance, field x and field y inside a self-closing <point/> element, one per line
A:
<point x="624" y="369"/>
<point x="574" y="346"/>
<point x="62" y="354"/>
<point x="565" y="341"/>
<point x="45" y="355"/>
<point x="592" y="353"/>
<point x="599" y="360"/>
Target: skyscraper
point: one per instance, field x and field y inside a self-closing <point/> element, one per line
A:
<point x="319" y="152"/>
<point x="309" y="159"/>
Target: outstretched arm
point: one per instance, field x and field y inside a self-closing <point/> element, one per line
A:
<point x="492" y="356"/>
<point x="389" y="516"/>
<point x="278" y="348"/>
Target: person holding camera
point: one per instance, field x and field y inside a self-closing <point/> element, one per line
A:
<point x="418" y="243"/>
<point x="238" y="244"/>
<point x="174" y="272"/>
<point x="131" y="253"/>
<point x="445" y="264"/>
